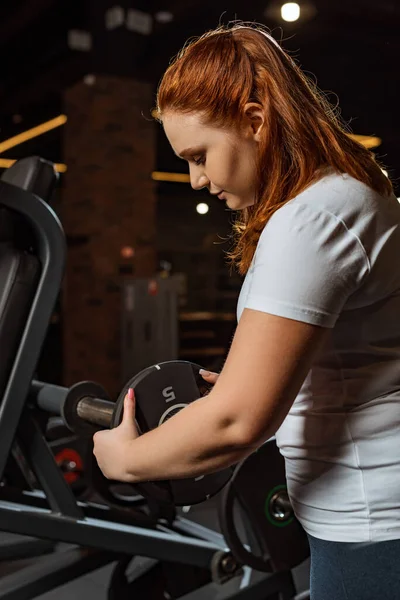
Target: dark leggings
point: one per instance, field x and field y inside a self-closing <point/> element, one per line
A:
<point x="355" y="571"/>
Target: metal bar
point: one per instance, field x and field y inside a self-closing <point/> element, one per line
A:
<point x="48" y="573"/>
<point x="128" y="516"/>
<point x="106" y="535"/>
<point x="41" y="460"/>
<point x="48" y="397"/>
<point x="14" y="547"/>
<point x="204" y="533"/>
<point x="96" y="410"/>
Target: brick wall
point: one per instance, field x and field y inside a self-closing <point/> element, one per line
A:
<point x="108" y="202"/>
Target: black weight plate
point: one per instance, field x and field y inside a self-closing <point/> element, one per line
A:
<point x="281" y="544"/>
<point x="160" y="391"/>
<point x="161" y="388"/>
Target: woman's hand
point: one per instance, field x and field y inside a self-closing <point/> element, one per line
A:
<point x="112" y="446"/>
<point x="209" y="376"/>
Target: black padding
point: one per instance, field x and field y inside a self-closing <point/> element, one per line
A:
<point x="7" y="225"/>
<point x="19" y="266"/>
<point x="15" y="229"/>
<point x="33" y="174"/>
<point x="19" y="274"/>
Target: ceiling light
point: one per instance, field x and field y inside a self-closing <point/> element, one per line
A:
<point x="89" y="79"/>
<point x="177" y="177"/>
<point x="164" y="16"/>
<point x="6" y="163"/>
<point x="290" y="12"/>
<point x="202" y="208"/>
<point x="32" y="133"/>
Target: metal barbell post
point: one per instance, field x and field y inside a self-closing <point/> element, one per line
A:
<point x="51" y="398"/>
<point x="280" y="506"/>
<point x="96" y="411"/>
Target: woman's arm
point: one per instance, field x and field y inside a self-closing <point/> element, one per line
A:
<point x="268" y="361"/>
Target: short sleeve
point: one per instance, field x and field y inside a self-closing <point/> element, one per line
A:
<point x="306" y="265"/>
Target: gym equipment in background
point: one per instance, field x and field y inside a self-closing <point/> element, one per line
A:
<point x="149" y="322"/>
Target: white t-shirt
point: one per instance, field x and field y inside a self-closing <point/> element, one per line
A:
<point x="331" y="257"/>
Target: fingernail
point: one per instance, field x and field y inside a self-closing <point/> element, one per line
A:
<point x="204" y="373"/>
<point x="131" y="394"/>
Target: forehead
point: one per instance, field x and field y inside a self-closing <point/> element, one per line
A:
<point x="185" y="130"/>
<point x="180" y="126"/>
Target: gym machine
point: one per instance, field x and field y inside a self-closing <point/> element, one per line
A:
<point x="210" y="565"/>
<point x="149" y="322"/>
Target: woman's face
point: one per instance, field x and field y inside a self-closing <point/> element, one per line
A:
<point x="222" y="160"/>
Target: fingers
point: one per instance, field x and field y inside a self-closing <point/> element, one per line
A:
<point x="129" y="404"/>
<point x="209" y="376"/>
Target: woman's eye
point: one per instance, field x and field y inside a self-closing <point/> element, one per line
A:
<point x="199" y="161"/>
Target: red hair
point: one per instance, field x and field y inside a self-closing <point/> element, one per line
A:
<point x="218" y="74"/>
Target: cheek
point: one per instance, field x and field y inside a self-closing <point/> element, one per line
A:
<point x="249" y="166"/>
<point x="232" y="169"/>
<point x="228" y="167"/>
<point x="221" y="171"/>
<point x="243" y="172"/>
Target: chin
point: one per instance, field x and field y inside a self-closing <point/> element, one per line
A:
<point x="236" y="203"/>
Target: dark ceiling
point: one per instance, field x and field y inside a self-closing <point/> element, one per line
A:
<point x="352" y="48"/>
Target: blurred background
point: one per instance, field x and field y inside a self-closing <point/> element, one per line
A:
<point x="146" y="277"/>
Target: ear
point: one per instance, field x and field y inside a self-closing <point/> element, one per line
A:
<point x="254" y="115"/>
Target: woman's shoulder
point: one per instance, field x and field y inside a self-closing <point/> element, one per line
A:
<point x="345" y="197"/>
<point x="334" y="188"/>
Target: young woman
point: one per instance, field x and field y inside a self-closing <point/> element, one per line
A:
<point x="316" y="355"/>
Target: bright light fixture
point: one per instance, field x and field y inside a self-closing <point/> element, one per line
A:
<point x="164" y="16"/>
<point x="6" y="163"/>
<point x="290" y="11"/>
<point x="202" y="208"/>
<point x="177" y="177"/>
<point x="32" y="133"/>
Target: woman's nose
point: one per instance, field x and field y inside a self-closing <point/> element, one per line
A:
<point x="199" y="181"/>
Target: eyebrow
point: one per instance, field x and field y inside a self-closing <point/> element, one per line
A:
<point x="188" y="152"/>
